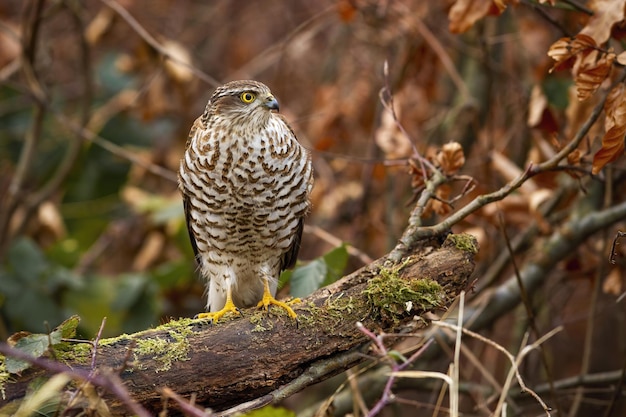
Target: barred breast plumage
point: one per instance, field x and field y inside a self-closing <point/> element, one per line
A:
<point x="245" y="181"/>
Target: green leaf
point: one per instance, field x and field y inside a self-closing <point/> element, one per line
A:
<point x="174" y="274"/>
<point x="65" y="330"/>
<point x="26" y="260"/>
<point x="37" y="344"/>
<point x="336" y="261"/>
<point x="306" y="279"/>
<point x="129" y="289"/>
<point x="397" y="356"/>
<point x="319" y="272"/>
<point x="34" y="345"/>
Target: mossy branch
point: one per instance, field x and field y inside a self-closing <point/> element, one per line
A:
<point x="262" y="358"/>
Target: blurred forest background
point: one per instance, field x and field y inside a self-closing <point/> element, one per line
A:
<point x="97" y="98"/>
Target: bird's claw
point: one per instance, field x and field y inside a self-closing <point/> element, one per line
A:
<point x="269" y="299"/>
<point x="214" y="316"/>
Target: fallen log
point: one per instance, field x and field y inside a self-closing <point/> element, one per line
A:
<point x="248" y="358"/>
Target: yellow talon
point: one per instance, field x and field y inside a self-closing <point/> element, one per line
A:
<point x="214" y="316"/>
<point x="268" y="299"/>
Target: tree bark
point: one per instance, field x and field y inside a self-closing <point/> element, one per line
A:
<point x="245" y="358"/>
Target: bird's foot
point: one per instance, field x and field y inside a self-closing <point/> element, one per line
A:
<point x="214" y="316"/>
<point x="269" y="299"/>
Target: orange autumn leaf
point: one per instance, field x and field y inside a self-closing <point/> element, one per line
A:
<point x="591" y="71"/>
<point x="346" y="10"/>
<point x="615" y="125"/>
<point x="590" y="66"/>
<point x="563" y="50"/>
<point x="614" y="107"/>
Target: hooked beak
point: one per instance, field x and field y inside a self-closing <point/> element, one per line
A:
<point x="271" y="103"/>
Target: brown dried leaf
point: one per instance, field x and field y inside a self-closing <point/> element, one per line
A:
<point x="10" y="47"/>
<point x="594" y="68"/>
<point x="51" y="220"/>
<point x="416" y="172"/>
<point x="536" y="106"/>
<point x="535" y="201"/>
<point x="612" y="148"/>
<point x="178" y="61"/>
<point x="389" y="138"/>
<point x="614" y="107"/>
<point x="100" y="25"/>
<point x="150" y="251"/>
<point x="574" y="157"/>
<point x="501" y="4"/>
<point x="563" y="50"/>
<point x="606" y="13"/>
<point x="464" y="13"/>
<point x="346" y="10"/>
<point x="439" y="205"/>
<point x="537" y="198"/>
<point x="539" y="114"/>
<point x="615" y="125"/>
<point x="613" y="282"/>
<point x="621" y="58"/>
<point x="451" y="158"/>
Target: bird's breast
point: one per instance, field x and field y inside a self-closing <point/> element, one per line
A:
<point x="247" y="193"/>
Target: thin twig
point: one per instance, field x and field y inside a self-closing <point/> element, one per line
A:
<point x="188" y="408"/>
<point x="313" y="373"/>
<point x="439" y="50"/>
<point x="387" y="396"/>
<point x="116" y="149"/>
<point x="618" y="236"/>
<point x="31" y="23"/>
<point x="94" y="354"/>
<point x="531" y="319"/>
<point x="588" y="344"/>
<point x="514" y="361"/>
<point x="33" y="201"/>
<point x="514" y="184"/>
<point x="609" y="378"/>
<point x="335" y="241"/>
<point x="150" y="40"/>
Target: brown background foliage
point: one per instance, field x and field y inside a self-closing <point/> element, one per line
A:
<point x="473" y="72"/>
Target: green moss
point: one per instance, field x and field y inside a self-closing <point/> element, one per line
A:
<point x="331" y="314"/>
<point x="164" y="351"/>
<point x="182" y="325"/>
<point x="4" y="378"/>
<point x="76" y="353"/>
<point x="393" y="297"/>
<point x="464" y="242"/>
<point x="261" y="322"/>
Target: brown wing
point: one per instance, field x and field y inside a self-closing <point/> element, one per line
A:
<point x="288" y="260"/>
<point x="192" y="238"/>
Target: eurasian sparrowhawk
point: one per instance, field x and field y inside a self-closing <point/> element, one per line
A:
<point x="245" y="181"/>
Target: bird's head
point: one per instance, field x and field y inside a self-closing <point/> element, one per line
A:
<point x="244" y="100"/>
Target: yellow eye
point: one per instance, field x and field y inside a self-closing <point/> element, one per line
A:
<point x="247" y="97"/>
